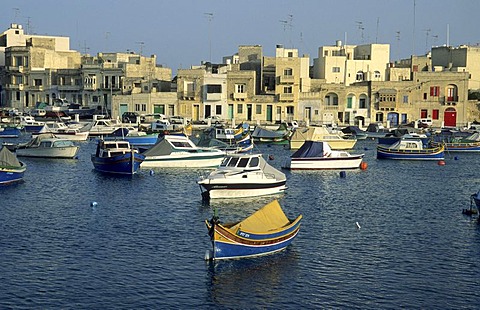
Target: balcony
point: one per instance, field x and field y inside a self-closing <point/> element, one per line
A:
<point x="213" y="97"/>
<point x="239" y="96"/>
<point x="450" y="100"/>
<point x="286" y="97"/>
<point x="287" y="79"/>
<point x="36" y="88"/>
<point x="330" y="107"/>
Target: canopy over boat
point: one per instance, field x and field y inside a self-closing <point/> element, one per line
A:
<point x="312" y="149"/>
<point x="8" y="159"/>
<point x="268" y="218"/>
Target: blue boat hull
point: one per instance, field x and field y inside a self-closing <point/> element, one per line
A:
<point x="10" y="132"/>
<point x="11" y="175"/>
<point x="122" y="164"/>
<point x="33" y="128"/>
<point x="384" y="154"/>
<point x="145" y="141"/>
<point x="227" y="245"/>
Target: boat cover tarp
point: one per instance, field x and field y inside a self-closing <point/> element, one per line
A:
<point x="269" y="170"/>
<point x="39" y="138"/>
<point x="311" y="149"/>
<point x="354" y="130"/>
<point x="260" y="132"/>
<point x="310" y="133"/>
<point x="8" y="159"/>
<point x="268" y="218"/>
<point x="162" y="147"/>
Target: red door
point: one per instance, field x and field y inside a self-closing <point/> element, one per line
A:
<point x="450" y="117"/>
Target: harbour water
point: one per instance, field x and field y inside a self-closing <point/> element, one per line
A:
<point x="142" y="245"/>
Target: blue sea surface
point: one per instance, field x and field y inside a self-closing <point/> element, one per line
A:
<point x="72" y="238"/>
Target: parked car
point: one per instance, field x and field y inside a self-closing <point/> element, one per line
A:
<point x="38" y="112"/>
<point x="176" y="119"/>
<point x="424" y="122"/>
<point x="213" y="119"/>
<point x="131" y="117"/>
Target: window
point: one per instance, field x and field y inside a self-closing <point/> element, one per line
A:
<point x="362" y="103"/>
<point x="287" y="90"/>
<point x="240" y="88"/>
<point x="434" y="91"/>
<point x="435" y="114"/>
<point x="349" y="102"/>
<point x="325" y="53"/>
<point x="405" y="99"/>
<point x="359" y="76"/>
<point x="218" y="110"/>
<point x="239" y="108"/>
<point x="214" y="89"/>
<point x="424" y="96"/>
<point x="18" y="96"/>
<point x="288" y="72"/>
<point x="37" y="82"/>
<point x="290" y="54"/>
<point x="335" y="69"/>
<point x="258" y="109"/>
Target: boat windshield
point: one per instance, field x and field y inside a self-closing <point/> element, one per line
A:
<point x="240" y="162"/>
<point x="63" y="143"/>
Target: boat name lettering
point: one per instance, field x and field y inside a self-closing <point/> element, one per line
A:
<point x="242" y="234"/>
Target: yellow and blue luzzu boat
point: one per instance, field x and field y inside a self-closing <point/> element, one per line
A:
<point x="264" y="232"/>
<point x="410" y="149"/>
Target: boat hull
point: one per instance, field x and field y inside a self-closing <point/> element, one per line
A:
<point x="461" y="147"/>
<point x="122" y="164"/>
<point x="183" y="161"/>
<point x="10" y="175"/>
<point x="228" y="245"/>
<point x="215" y="190"/>
<point x="324" y="163"/>
<point x="60" y="152"/>
<point x="426" y="154"/>
<point x="340" y="144"/>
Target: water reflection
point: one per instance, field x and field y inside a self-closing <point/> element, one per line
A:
<point x="255" y="281"/>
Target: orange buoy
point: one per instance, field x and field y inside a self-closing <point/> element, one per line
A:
<point x="441" y="163"/>
<point x="363" y="165"/>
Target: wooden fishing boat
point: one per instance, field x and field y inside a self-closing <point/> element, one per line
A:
<point x="11" y="169"/>
<point x="264" y="232"/>
<point x="465" y="146"/>
<point x="410" y="149"/>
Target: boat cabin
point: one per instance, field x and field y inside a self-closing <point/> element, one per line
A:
<point x="112" y="148"/>
<point x="408" y="144"/>
<point x="241" y="162"/>
<point x="55" y="143"/>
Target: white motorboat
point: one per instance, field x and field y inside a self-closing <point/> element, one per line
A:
<point x="63" y="131"/>
<point x="178" y="151"/>
<point x="243" y="175"/>
<point x="46" y="146"/>
<point x="317" y="155"/>
<point x="103" y="127"/>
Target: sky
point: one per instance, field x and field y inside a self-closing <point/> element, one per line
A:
<point x="182" y="33"/>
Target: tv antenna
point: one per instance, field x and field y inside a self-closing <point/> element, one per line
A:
<point x="361" y="28"/>
<point x="209" y="16"/>
<point x="141" y="43"/>
<point x="427" y="34"/>
<point x="16" y="10"/>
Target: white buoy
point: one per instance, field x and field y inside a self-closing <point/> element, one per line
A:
<point x="208" y="255"/>
<point x="358" y="225"/>
<point x="93" y="204"/>
<point x="152" y="172"/>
